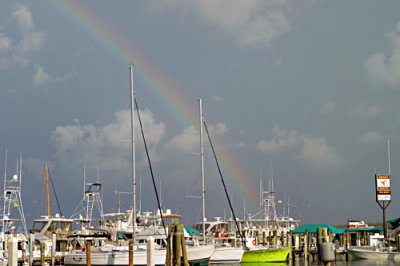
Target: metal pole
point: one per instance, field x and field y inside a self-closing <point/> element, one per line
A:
<point x="133" y="152"/>
<point x="202" y="170"/>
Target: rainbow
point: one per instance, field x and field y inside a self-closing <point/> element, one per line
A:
<point x="162" y="86"/>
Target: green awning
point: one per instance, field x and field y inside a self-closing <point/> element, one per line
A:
<point x="191" y="231"/>
<point x="312" y="229"/>
<point x="367" y="229"/>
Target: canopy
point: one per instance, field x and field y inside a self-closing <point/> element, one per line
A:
<point x="191" y="231"/>
<point x="312" y="229"/>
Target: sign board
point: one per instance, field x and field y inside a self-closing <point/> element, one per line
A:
<point x="382" y="185"/>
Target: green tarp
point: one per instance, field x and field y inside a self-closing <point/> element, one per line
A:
<point x="312" y="229"/>
<point x="191" y="231"/>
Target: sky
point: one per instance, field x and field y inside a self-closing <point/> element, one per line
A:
<point x="306" y="90"/>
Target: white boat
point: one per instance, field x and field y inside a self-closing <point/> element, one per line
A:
<point x="120" y="256"/>
<point x="374" y="254"/>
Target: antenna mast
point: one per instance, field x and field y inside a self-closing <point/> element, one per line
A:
<point x="202" y="170"/>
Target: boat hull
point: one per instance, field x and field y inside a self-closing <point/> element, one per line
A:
<point x="238" y="255"/>
<point x="266" y="255"/>
<point x="374" y="255"/>
<point x="194" y="254"/>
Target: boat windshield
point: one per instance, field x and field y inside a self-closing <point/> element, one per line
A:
<point x="57" y="225"/>
<point x="38" y="226"/>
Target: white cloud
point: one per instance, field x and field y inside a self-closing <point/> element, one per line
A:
<point x="250" y="23"/>
<point x="367" y="109"/>
<point x="102" y="145"/>
<point x="187" y="141"/>
<point x="317" y="152"/>
<point x="216" y="98"/>
<point x="314" y="150"/>
<point x="5" y="43"/>
<point x="31" y="40"/>
<point x="40" y="77"/>
<point x="371" y="137"/>
<point x="281" y="139"/>
<point x="383" y="71"/>
<point x="327" y="108"/>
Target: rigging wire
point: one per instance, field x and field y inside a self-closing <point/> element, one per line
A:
<point x="55" y="194"/>
<point x="223" y="183"/>
<point x="151" y="168"/>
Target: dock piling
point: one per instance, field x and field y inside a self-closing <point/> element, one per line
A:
<point x="150" y="251"/>
<point x="131" y="253"/>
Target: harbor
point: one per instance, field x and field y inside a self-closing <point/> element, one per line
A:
<point x="199" y="132"/>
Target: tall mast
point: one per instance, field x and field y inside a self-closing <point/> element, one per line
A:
<point x="388" y="143"/>
<point x="4" y="189"/>
<point x="47" y="191"/>
<point x="133" y="152"/>
<point x="203" y="192"/>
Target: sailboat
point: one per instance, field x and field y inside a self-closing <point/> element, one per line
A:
<point x="44" y="228"/>
<point x="113" y="255"/>
<point x="245" y="253"/>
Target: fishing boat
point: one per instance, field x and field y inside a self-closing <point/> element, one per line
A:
<point x="375" y="254"/>
<point x="249" y="252"/>
<point x="45" y="228"/>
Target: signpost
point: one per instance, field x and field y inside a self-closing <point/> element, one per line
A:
<point x="383" y="196"/>
<point x="383" y="193"/>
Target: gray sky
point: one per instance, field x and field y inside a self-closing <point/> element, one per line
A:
<point x="309" y="87"/>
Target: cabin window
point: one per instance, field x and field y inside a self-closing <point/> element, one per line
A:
<point x="38" y="226"/>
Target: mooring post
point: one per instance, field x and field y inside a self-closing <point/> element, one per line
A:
<point x="264" y="239"/>
<point x="42" y="255"/>
<point x="131" y="250"/>
<point x="12" y="252"/>
<point x="183" y="245"/>
<point x="150" y="251"/>
<point x="398" y="243"/>
<point x="293" y="237"/>
<point x="306" y="246"/>
<point x="30" y="246"/>
<point x="88" y="252"/>
<point x="177" y="244"/>
<point x="53" y="249"/>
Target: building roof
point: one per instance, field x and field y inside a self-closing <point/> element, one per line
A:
<point x="312" y="229"/>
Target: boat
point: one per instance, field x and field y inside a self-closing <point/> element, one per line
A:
<point x="375" y="254"/>
<point x="249" y="251"/>
<point x="45" y="228"/>
<point x="116" y="255"/>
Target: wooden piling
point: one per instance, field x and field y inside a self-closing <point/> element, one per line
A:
<point x="270" y="239"/>
<point x="293" y="244"/>
<point x="88" y="252"/>
<point x="275" y="239"/>
<point x="42" y="255"/>
<point x="183" y="245"/>
<point x="264" y="242"/>
<point x="150" y="251"/>
<point x="398" y="243"/>
<point x="306" y="245"/>
<point x="131" y="250"/>
<point x="358" y="238"/>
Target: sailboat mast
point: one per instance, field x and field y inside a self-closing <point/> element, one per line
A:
<point x="47" y="191"/>
<point x="133" y="152"/>
<point x="4" y="190"/>
<point x="202" y="170"/>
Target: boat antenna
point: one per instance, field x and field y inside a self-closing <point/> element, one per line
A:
<point x="151" y="168"/>
<point x="223" y="183"/>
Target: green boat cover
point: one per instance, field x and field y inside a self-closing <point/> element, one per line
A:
<point x="265" y="255"/>
<point x="192" y="231"/>
<point x="312" y="229"/>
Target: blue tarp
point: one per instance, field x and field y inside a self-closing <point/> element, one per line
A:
<point x="191" y="231"/>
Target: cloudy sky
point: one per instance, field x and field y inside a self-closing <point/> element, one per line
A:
<point x="308" y="87"/>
